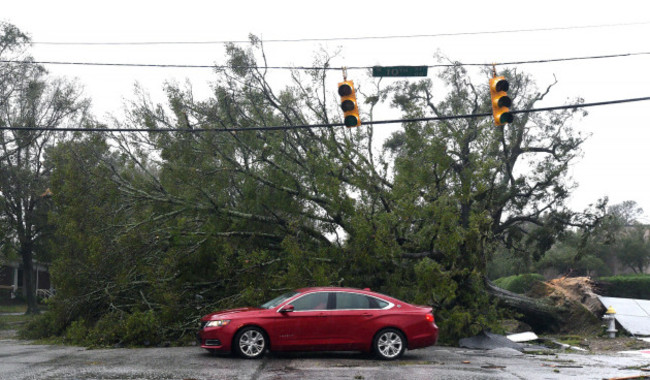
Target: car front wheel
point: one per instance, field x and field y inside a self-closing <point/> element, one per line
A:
<point x="250" y="343"/>
<point x="389" y="344"/>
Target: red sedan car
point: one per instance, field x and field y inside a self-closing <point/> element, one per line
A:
<point x="321" y="319"/>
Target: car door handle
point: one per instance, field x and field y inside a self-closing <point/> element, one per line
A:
<point x="367" y="315"/>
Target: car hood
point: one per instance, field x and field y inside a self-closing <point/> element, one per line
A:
<point x="231" y="312"/>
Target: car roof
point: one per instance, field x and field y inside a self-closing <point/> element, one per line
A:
<point x="341" y="289"/>
<point x="327" y="288"/>
<point x="366" y="291"/>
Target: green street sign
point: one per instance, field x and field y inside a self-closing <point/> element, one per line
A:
<point x="399" y="71"/>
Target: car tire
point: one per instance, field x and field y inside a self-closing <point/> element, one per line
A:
<point x="389" y="344"/>
<point x="250" y="343"/>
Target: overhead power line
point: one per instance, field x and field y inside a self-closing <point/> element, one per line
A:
<point x="187" y="66"/>
<point x="87" y="43"/>
<point x="329" y="125"/>
<point x="158" y="65"/>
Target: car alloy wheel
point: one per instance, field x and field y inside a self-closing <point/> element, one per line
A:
<point x="250" y="343"/>
<point x="389" y="344"/>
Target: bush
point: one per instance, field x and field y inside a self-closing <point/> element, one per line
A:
<point x="43" y="325"/>
<point x="136" y="329"/>
<point x="108" y="330"/>
<point x="114" y="328"/>
<point x="77" y="332"/>
<point x="519" y="283"/>
<point x="142" y="328"/>
<point x="625" y="286"/>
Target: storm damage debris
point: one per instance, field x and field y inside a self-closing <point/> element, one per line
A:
<point x="578" y="289"/>
<point x="557" y="306"/>
<point x="561" y="366"/>
<point x="523" y="337"/>
<point x="632" y="314"/>
<point x="565" y="346"/>
<point x="576" y="297"/>
<point x="487" y="341"/>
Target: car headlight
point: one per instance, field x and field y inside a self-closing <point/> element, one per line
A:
<point x="220" y="322"/>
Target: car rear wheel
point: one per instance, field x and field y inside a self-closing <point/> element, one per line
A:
<point x="389" y="344"/>
<point x="250" y="343"/>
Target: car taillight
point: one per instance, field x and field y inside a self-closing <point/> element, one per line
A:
<point x="430" y="318"/>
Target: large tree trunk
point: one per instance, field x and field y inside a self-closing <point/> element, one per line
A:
<point x="554" y="311"/>
<point x="28" y="275"/>
<point x="540" y="314"/>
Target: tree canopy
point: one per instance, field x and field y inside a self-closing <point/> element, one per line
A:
<point x="29" y="100"/>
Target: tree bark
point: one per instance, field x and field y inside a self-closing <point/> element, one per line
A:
<point x="28" y="274"/>
<point x="538" y="313"/>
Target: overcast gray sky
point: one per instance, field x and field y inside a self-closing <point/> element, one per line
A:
<point x="616" y="158"/>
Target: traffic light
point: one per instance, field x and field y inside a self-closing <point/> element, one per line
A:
<point x="501" y="102"/>
<point x="349" y="104"/>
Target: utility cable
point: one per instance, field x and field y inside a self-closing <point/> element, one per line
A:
<point x="488" y="32"/>
<point x="152" y="65"/>
<point x="329" y="125"/>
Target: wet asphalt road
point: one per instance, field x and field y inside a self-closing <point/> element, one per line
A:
<point x="25" y="360"/>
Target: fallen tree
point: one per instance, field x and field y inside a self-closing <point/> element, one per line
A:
<point x="314" y="206"/>
<point x="558" y="306"/>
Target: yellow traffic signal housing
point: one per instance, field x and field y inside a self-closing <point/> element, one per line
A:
<point x="349" y="104"/>
<point x="501" y="102"/>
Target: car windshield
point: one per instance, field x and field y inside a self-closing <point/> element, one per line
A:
<point x="278" y="300"/>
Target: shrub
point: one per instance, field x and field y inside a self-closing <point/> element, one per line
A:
<point x="77" y="332"/>
<point x="108" y="330"/>
<point x="519" y="283"/>
<point x="625" y="286"/>
<point x="142" y="328"/>
<point x="43" y="325"/>
<point x="135" y="329"/>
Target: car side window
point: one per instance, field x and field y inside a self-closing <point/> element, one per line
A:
<point x="376" y="303"/>
<point x="352" y="301"/>
<point x="312" y="301"/>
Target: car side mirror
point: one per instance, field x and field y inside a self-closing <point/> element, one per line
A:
<point x="287" y="309"/>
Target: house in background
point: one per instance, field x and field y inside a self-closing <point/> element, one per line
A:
<point x="12" y="280"/>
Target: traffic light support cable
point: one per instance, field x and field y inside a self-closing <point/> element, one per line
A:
<point x="327" y="125"/>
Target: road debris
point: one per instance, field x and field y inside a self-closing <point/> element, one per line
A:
<point x="493" y="366"/>
<point x="523" y="337"/>
<point x="561" y="366"/>
<point x="487" y="341"/>
<point x="565" y="346"/>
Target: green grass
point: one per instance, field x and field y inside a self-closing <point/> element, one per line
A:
<point x="571" y="340"/>
<point x="20" y="308"/>
<point x="13" y="322"/>
<point x="14" y="319"/>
